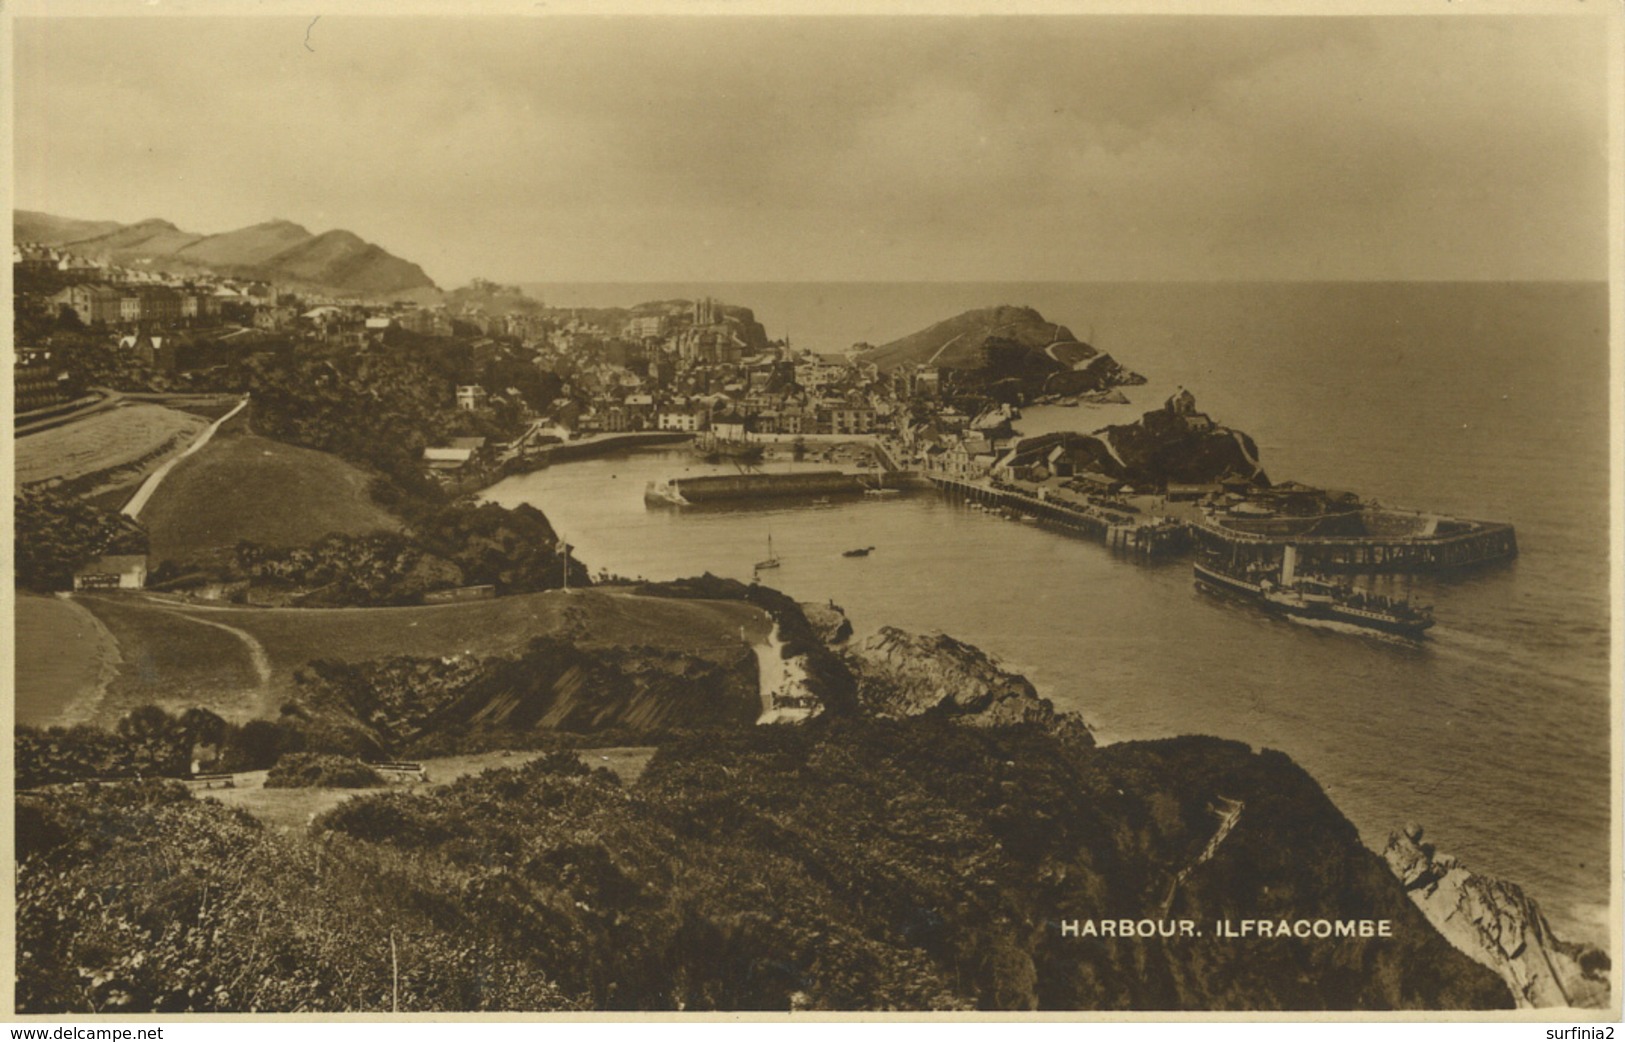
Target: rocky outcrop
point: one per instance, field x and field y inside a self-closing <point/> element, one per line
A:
<point x="901" y="674"/>
<point x="1096" y="377"/>
<point x="1499" y="926"/>
<point x="828" y="622"/>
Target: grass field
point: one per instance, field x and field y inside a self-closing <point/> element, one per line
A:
<point x="240" y="661"/>
<point x="64" y="656"/>
<point x="107" y="441"/>
<point x="171" y="660"/>
<point x="241" y="486"/>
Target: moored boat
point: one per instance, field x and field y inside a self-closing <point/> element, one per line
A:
<point x="772" y="559"/>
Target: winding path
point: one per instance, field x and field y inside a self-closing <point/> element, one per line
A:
<point x="138" y="501"/>
<point x="1241" y="443"/>
<point x="945" y="345"/>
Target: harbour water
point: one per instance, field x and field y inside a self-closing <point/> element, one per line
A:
<point x="1481" y="400"/>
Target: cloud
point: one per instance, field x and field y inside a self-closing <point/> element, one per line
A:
<point x="872" y="148"/>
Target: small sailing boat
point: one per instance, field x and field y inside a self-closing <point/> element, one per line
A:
<point x="772" y="559"/>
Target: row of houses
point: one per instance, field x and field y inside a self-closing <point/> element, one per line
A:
<point x="733" y="419"/>
<point x="106" y="304"/>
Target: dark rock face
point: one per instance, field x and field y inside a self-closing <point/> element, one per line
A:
<point x="902" y="674"/>
<point x="1099" y="374"/>
<point x="1153" y="454"/>
<point x="1499" y="926"/>
<point x="1164" y="447"/>
<point x="1208" y="831"/>
<point x="828" y="621"/>
<point x="826" y="677"/>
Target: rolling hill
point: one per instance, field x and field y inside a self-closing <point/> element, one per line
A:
<point x="33" y="226"/>
<point x="150" y="238"/>
<point x="255" y="244"/>
<point x="1009" y="351"/>
<point x="277" y="250"/>
<point x="244" y="487"/>
<point x="341" y="258"/>
<point x="957" y="342"/>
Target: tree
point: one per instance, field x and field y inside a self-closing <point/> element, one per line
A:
<point x="155" y="743"/>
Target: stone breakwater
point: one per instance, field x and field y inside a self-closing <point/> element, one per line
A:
<point x="717" y="487"/>
<point x="1499" y="926"/>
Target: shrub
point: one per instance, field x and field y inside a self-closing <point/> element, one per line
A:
<point x="321" y="771"/>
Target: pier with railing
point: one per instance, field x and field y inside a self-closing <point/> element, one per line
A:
<point x="1387" y="541"/>
<point x="1145" y="538"/>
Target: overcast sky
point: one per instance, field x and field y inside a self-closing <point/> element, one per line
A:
<point x="889" y="149"/>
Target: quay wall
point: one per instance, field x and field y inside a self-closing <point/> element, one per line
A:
<point x="710" y="488"/>
<point x="587" y="447"/>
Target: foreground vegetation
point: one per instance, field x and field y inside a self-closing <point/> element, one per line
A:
<point x="846" y="864"/>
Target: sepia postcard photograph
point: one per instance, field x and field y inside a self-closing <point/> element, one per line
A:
<point x="1052" y="511"/>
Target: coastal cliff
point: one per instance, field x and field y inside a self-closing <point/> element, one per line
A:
<point x="1499" y="926"/>
<point x="901" y="674"/>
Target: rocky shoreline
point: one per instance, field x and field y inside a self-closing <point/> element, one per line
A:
<point x="1499" y="926"/>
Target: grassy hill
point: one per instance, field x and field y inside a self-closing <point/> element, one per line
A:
<point x="63" y="657"/>
<point x="255" y="244"/>
<point x="957" y="342"/>
<point x="341" y="258"/>
<point x="240" y="661"/>
<point x="150" y="238"/>
<point x="244" y="487"/>
<point x="33" y="226"/>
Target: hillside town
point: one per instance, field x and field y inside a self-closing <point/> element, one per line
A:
<point x="551" y="374"/>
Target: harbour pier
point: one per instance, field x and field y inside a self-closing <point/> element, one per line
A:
<point x="715" y="487"/>
<point x="1375" y="540"/>
<point x="1161" y="537"/>
<point x="1372" y="539"/>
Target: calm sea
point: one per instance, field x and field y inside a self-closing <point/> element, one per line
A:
<point x="1486" y="401"/>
